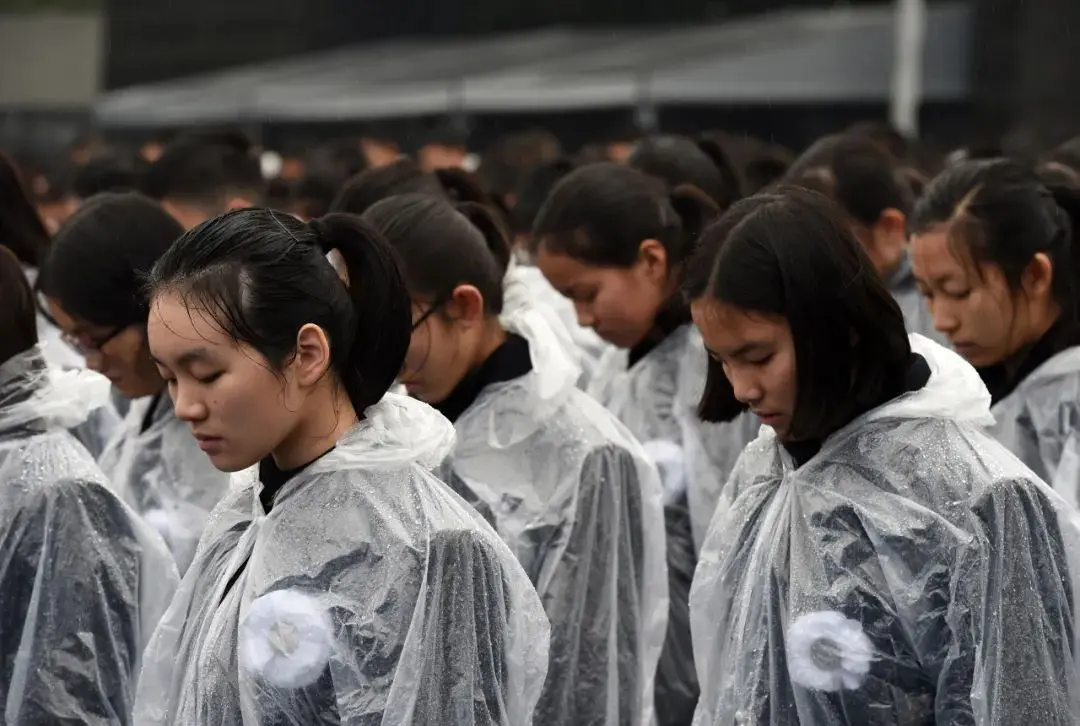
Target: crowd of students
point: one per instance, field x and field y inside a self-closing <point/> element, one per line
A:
<point x="683" y="431"/>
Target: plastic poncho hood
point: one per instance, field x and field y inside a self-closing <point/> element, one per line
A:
<point x="83" y="581"/>
<point x="369" y="594"/>
<point x="913" y="571"/>
<point x="577" y="500"/>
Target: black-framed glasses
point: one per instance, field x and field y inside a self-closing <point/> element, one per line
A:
<point x="85" y="344"/>
<point x="430" y="311"/>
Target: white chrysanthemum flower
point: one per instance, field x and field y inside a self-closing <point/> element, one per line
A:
<point x="828" y="652"/>
<point x="286" y="639"/>
<point x="671" y="462"/>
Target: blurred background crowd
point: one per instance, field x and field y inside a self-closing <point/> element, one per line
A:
<point x="92" y="90"/>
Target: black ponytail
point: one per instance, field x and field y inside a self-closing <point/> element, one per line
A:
<point x="495" y="234"/>
<point x="442" y="247"/>
<point x="263" y="275"/>
<point x="382" y="313"/>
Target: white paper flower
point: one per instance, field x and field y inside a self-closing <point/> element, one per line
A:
<point x="671" y="461"/>
<point x="286" y="639"/>
<point x="828" y="652"/>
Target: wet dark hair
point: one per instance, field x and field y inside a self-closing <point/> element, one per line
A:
<point x="601" y="213"/>
<point x="999" y="212"/>
<point x="792" y="253"/>
<point x="21" y="228"/>
<point x="884" y="134"/>
<point x="404" y="176"/>
<point x="505" y="166"/>
<point x="203" y="168"/>
<point x="262" y="275"/>
<point x="679" y="160"/>
<point x="102" y="252"/>
<point x="108" y="173"/>
<point x="534" y="191"/>
<point x="856" y="173"/>
<point x="442" y="246"/>
<point x="18" y="320"/>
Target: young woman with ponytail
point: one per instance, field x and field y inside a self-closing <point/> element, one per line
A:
<point x="565" y="484"/>
<point x="994" y="252"/>
<point x="614" y="241"/>
<point x="339" y="581"/>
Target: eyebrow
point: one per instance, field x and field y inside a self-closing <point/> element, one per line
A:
<point x="185" y="360"/>
<point x="739" y="352"/>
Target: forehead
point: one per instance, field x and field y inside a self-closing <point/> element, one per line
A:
<point x="726" y="328"/>
<point x="176" y="326"/>
<point x="564" y="271"/>
<point x="934" y="254"/>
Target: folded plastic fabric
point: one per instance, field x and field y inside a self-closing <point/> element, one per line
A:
<point x="83" y="581"/>
<point x="912" y="572"/>
<point x="577" y="500"/>
<point x="156" y="466"/>
<point x="1040" y="422"/>
<point x="656" y="399"/>
<point x="370" y="594"/>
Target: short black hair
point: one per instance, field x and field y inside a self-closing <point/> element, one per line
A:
<point x="601" y="213"/>
<point x="372" y="186"/>
<point x="442" y="247"/>
<point x="262" y="275"/>
<point x="999" y="211"/>
<point x="106" y="173"/>
<point x="534" y="191"/>
<point x="18" y="319"/>
<point x="21" y="228"/>
<point x="856" y="173"/>
<point x="203" y="168"/>
<point x="792" y="253"/>
<point x="680" y="160"/>
<point x="102" y="252"/>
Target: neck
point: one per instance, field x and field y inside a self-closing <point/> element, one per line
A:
<point x="332" y="416"/>
<point x="494" y="336"/>
<point x="1038" y="332"/>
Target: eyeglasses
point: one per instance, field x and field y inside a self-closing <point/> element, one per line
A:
<point x="430" y="311"/>
<point x="86" y="344"/>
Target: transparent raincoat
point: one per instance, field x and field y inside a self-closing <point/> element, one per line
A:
<point x="102" y="423"/>
<point x="526" y="286"/>
<point x="912" y="572"/>
<point x="1040" y="423"/>
<point x="83" y="581"/>
<point x="156" y="466"/>
<point x="370" y="595"/>
<point x="574" y="495"/>
<point x="657" y="400"/>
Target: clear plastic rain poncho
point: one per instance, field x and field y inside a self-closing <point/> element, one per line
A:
<point x="370" y="595"/>
<point x="525" y="286"/>
<point x="657" y="400"/>
<point x="912" y="572"/>
<point x="102" y="423"/>
<point x="1040" y="423"/>
<point x="83" y="581"/>
<point x="574" y="495"/>
<point x="157" y="467"/>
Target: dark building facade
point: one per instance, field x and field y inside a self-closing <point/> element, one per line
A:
<point x="154" y="40"/>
